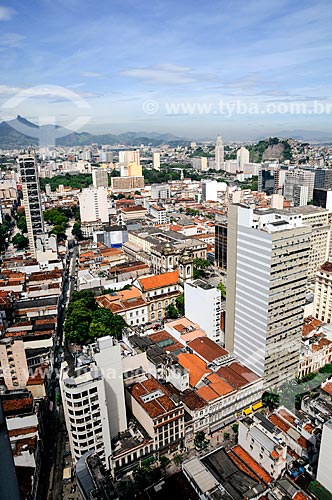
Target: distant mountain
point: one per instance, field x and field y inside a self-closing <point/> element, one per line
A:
<point x="305" y="135"/>
<point x="20" y="133"/>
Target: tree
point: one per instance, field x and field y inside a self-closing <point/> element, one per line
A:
<point x="22" y="224"/>
<point x="221" y="287"/>
<point x="77" y="231"/>
<point x="59" y="232"/>
<point x="235" y="428"/>
<point x="271" y="400"/>
<point x="20" y="241"/>
<point x="171" y="312"/>
<point x="227" y="435"/>
<point x="164" y="463"/>
<point x="178" y="459"/>
<point x="180" y="304"/>
<point x="202" y="263"/>
<point x="199" y="440"/>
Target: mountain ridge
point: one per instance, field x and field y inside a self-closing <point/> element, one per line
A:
<point x="20" y="132"/>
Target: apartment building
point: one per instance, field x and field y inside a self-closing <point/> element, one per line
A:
<point x="267" y="264"/>
<point x="203" y="305"/>
<point x="93" y="399"/>
<point x="157" y="412"/>
<point x="323" y="293"/>
<point x="324" y="461"/>
<point x="13" y="363"/>
<point x="264" y="442"/>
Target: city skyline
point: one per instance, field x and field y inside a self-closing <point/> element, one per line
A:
<point x="237" y="69"/>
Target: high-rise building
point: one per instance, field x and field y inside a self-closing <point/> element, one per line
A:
<point x="125" y="184"/>
<point x="300" y="195"/>
<point x="203" y="306"/>
<point x="156" y="161"/>
<point x="219" y="154"/>
<point x="267" y="267"/>
<point x="318" y="219"/>
<point x="221" y="245"/>
<point x="93" y="399"/>
<point x="210" y="189"/>
<point x="323" y="178"/>
<point x="299" y="177"/>
<point x="160" y="191"/>
<point x="324" y="475"/>
<point x="93" y="205"/>
<point x="323" y="293"/>
<point x="200" y="163"/>
<point x="31" y="198"/>
<point x="99" y="177"/>
<point x="323" y="198"/>
<point x="242" y="157"/>
<point x="129" y="157"/>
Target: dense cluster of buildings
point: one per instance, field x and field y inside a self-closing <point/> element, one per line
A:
<point x="226" y="291"/>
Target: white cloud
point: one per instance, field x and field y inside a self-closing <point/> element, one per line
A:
<point x="91" y="74"/>
<point x="6" y="13"/>
<point x="164" y="73"/>
<point x="11" y="40"/>
<point x="7" y="90"/>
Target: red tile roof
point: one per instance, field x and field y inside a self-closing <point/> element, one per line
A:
<point x="159" y="280"/>
<point x="252" y="464"/>
<point x="207" y="349"/>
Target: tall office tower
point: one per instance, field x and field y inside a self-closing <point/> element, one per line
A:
<point x="219" y="154"/>
<point x="160" y="191"/>
<point x="156" y="161"/>
<point x="93" y="399"/>
<point x="324" y="475"/>
<point x="93" y="205"/>
<point x="267" y="266"/>
<point x="31" y="198"/>
<point x="129" y="157"/>
<point x="299" y="177"/>
<point x="323" y="198"/>
<point x="268" y="181"/>
<point x="320" y="239"/>
<point x="323" y="178"/>
<point x="242" y="157"/>
<point x="300" y="196"/>
<point x="221" y="244"/>
<point x="99" y="177"/>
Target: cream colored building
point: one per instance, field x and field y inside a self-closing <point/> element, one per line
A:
<point x="323" y="293"/>
<point x="13" y="363"/>
<point x="157" y="412"/>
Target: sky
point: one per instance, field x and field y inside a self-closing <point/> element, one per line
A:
<point x="192" y="68"/>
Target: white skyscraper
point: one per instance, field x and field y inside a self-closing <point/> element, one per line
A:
<point x="219" y="154"/>
<point x="324" y="475"/>
<point x="93" y="205"/>
<point x="31" y="198"/>
<point x="267" y="270"/>
<point x="156" y="161"/>
<point x="242" y="157"/>
<point x="99" y="177"/>
<point x="93" y="399"/>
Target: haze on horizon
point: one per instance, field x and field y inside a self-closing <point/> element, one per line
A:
<point x="242" y="68"/>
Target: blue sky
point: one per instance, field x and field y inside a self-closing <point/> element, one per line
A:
<point x="187" y="67"/>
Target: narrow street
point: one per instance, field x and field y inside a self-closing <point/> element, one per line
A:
<point x="57" y="424"/>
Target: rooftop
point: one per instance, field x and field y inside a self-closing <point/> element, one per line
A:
<point x="159" y="280"/>
<point x="152" y="396"/>
<point x="207" y="349"/>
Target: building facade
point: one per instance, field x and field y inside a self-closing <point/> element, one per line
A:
<point x="31" y="198"/>
<point x="267" y="273"/>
